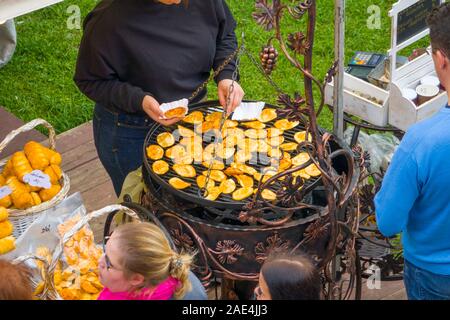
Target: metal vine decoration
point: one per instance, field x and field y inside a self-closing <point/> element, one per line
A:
<point x="339" y="188"/>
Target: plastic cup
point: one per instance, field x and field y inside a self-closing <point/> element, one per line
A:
<point x="430" y="80"/>
<point x="410" y="94"/>
<point x="426" y="92"/>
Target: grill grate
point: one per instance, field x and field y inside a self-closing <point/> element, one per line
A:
<point x="192" y="192"/>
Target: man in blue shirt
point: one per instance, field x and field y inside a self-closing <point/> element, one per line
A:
<point x="415" y="195"/>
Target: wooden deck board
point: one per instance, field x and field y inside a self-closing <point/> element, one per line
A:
<point x="8" y="123"/>
<point x="77" y="157"/>
<point x="75" y="137"/>
<point x="387" y="289"/>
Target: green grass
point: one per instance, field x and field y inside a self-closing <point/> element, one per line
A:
<point x="38" y="80"/>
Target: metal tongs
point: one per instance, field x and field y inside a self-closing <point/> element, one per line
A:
<point x="218" y="138"/>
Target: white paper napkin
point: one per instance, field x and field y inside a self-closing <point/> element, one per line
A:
<point x="248" y="111"/>
<point x="174" y="104"/>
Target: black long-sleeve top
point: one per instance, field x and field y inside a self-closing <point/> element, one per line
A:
<point x="133" y="48"/>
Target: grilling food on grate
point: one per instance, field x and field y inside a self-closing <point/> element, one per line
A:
<point x="214" y="116"/>
<point x="274" y="132"/>
<point x="284" y="164"/>
<point x="206" y="126"/>
<point x="213" y="193"/>
<point x="201" y="180"/>
<point x="312" y="170"/>
<point x="300" y="159"/>
<point x="254" y="125"/>
<point x="165" y="139"/>
<point x="215" y="175"/>
<point x="194" y="117"/>
<point x="302" y="173"/>
<point x="179" y="184"/>
<point x="268" y="195"/>
<point x="175" y="113"/>
<point x="245" y="168"/>
<point x="247" y="145"/>
<point x="245" y="181"/>
<point x="285" y="124"/>
<point x="184" y="159"/>
<point x="216" y="165"/>
<point x="263" y="146"/>
<point x="275" y="141"/>
<point x="236" y="133"/>
<point x="230" y="124"/>
<point x="185" y="132"/>
<point x="160" y="167"/>
<point x="268" y="115"/>
<point x="227" y="186"/>
<point x="275" y="153"/>
<point x="301" y="136"/>
<point x="243" y="156"/>
<point x="177" y="151"/>
<point x="155" y="152"/>
<point x="242" y="193"/>
<point x="221" y="152"/>
<point x="289" y="146"/>
<point x="230" y="171"/>
<point x="256" y="133"/>
<point x="241" y="145"/>
<point x="184" y="170"/>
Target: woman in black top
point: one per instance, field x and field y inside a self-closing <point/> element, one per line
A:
<point x="137" y="54"/>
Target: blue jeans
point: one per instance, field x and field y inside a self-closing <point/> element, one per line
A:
<point x="424" y="285"/>
<point x="197" y="292"/>
<point x="119" y="139"/>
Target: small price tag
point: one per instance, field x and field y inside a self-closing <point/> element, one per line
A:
<point x="5" y="191"/>
<point x="38" y="179"/>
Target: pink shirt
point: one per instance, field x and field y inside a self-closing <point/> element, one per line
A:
<point x="163" y="291"/>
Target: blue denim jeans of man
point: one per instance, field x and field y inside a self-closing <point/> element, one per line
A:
<point x="119" y="139"/>
<point x="424" y="285"/>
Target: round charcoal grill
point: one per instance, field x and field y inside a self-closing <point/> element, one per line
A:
<point x="192" y="194"/>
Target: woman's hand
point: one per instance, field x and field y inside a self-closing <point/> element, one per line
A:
<point x="223" y="88"/>
<point x="151" y="108"/>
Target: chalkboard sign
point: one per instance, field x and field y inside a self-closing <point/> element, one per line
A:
<point x="413" y="20"/>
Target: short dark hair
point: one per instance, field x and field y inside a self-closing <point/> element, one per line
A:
<point x="292" y="277"/>
<point x="439" y="24"/>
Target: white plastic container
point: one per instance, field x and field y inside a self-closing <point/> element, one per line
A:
<point x="10" y="9"/>
<point x="430" y="80"/>
<point x="409" y="94"/>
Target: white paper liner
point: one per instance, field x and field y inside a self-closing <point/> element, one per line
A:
<point x="248" y="111"/>
<point x="174" y="104"/>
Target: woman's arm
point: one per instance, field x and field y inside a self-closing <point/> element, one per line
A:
<point x="226" y="42"/>
<point x="97" y="75"/>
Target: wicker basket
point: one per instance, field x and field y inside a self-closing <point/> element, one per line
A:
<point x="59" y="250"/>
<point x="22" y="219"/>
<point x="49" y="292"/>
